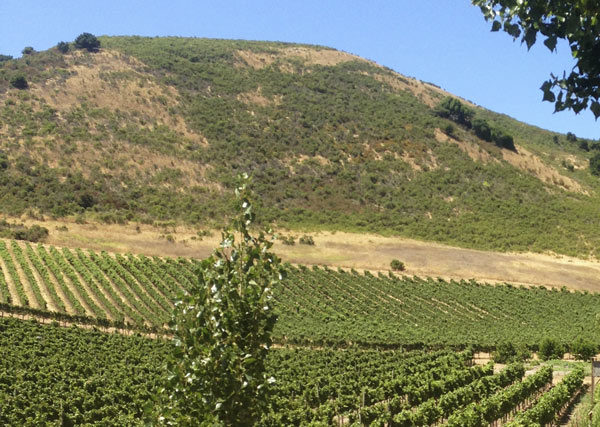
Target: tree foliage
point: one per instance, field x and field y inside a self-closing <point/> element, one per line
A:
<point x="87" y="41"/>
<point x="577" y="22"/>
<point x="595" y="164"/>
<point x="451" y="108"/>
<point x="222" y="331"/>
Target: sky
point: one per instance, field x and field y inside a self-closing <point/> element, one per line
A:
<point x="445" y="42"/>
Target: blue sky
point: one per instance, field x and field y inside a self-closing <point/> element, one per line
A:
<point x="446" y="42"/>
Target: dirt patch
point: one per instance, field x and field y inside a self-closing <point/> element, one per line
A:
<point x="309" y="56"/>
<point x="529" y="162"/>
<point x="257" y="98"/>
<point x="473" y="150"/>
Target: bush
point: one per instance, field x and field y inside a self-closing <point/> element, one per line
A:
<point x="507" y="352"/>
<point x="583" y="350"/>
<point x="28" y="50"/>
<point x="35" y="233"/>
<point x="503" y="140"/>
<point x="288" y="240"/>
<point x="595" y="164"/>
<point x="449" y="129"/>
<point x="306" y="240"/>
<point x="62" y="47"/>
<point x="19" y="82"/>
<point x="4" y="58"/>
<point x="583" y="145"/>
<point x="571" y="137"/>
<point x="551" y="349"/>
<point x="451" y="108"/>
<point x="87" y="41"/>
<point x="482" y="129"/>
<point x="397" y="265"/>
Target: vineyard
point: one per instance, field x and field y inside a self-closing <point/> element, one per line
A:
<point x="352" y="348"/>
<point x="51" y="369"/>
<point x="316" y="306"/>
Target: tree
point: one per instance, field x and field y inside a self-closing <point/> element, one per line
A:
<point x="577" y="22"/>
<point x="63" y="47"/>
<point x="27" y="50"/>
<point x="4" y="58"/>
<point x="222" y="331"/>
<point x="87" y="41"/>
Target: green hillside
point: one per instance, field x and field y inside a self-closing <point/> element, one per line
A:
<point x="156" y="129"/>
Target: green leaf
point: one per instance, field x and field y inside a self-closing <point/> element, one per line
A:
<point x="496" y="26"/>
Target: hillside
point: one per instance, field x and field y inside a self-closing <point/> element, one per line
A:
<point x="155" y="130"/>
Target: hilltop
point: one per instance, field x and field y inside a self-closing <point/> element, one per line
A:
<point x="154" y="130"/>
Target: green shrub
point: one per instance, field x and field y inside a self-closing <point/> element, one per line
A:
<point x="482" y="129"/>
<point x="451" y="108"/>
<point x="550" y="348"/>
<point x="306" y="240"/>
<point x="397" y="265"/>
<point x="19" y="81"/>
<point x="583" y="350"/>
<point x="63" y="47"/>
<point x="595" y="164"/>
<point x="28" y="50"/>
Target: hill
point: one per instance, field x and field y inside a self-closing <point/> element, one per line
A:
<point x="155" y="130"/>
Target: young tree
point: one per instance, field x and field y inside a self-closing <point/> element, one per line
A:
<point x="577" y="22"/>
<point x="222" y="331"/>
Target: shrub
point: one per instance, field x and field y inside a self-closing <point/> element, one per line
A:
<point x="19" y="82"/>
<point x="288" y="240"/>
<point x="449" y="129"/>
<point x="583" y="145"/>
<point x="306" y="240"/>
<point x="482" y="129"/>
<point x="87" y="41"/>
<point x="551" y="349"/>
<point x="4" y="58"/>
<point x="503" y="140"/>
<point x="571" y="137"/>
<point x="397" y="265"/>
<point x="583" y="350"/>
<point x="28" y="50"/>
<point x="62" y="47"/>
<point x="451" y="108"/>
<point x="595" y="164"/>
<point x="505" y="352"/>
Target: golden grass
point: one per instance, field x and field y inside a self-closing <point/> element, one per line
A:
<point x="345" y="250"/>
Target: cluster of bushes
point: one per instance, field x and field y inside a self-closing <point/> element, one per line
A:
<point x="548" y="349"/>
<point x="452" y="109"/>
<point x="35" y="233"/>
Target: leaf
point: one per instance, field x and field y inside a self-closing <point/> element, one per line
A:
<point x="550" y="43"/>
<point x="595" y="107"/>
<point x="496" y="26"/>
